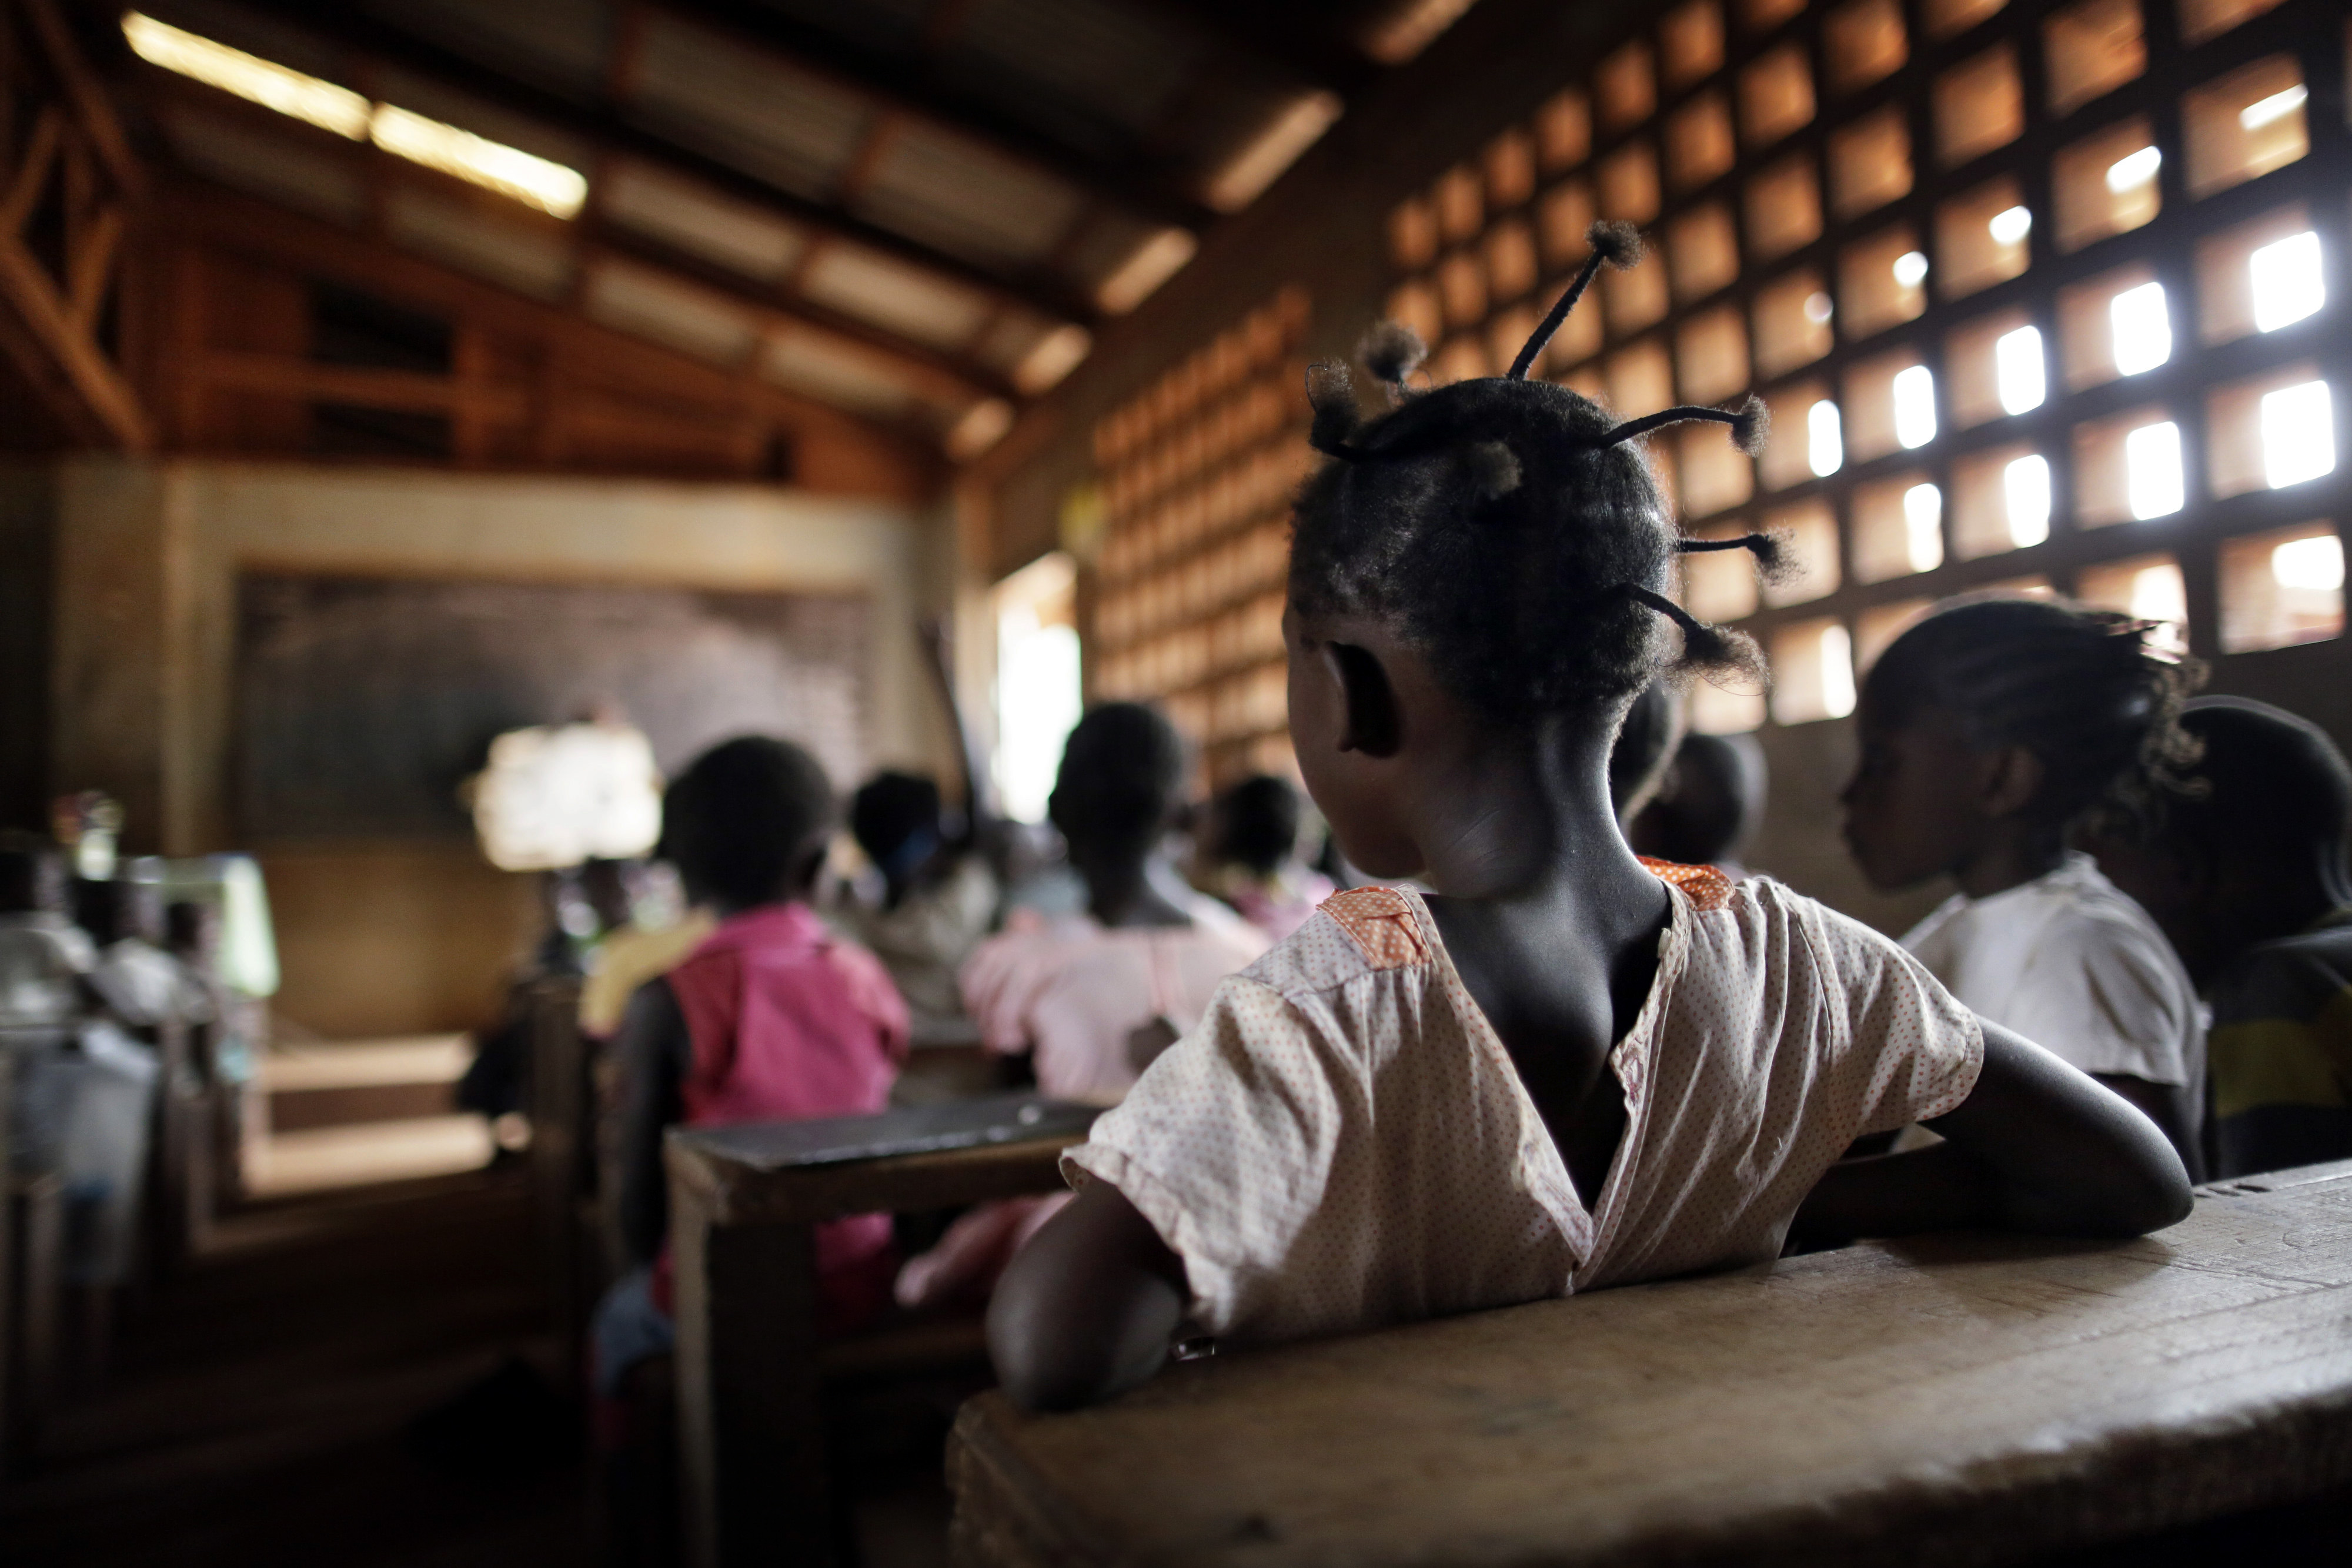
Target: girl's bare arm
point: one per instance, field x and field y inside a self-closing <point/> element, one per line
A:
<point x="2037" y="1145"/>
<point x="1088" y="1309"/>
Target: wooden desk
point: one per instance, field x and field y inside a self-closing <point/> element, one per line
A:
<point x="1953" y="1400"/>
<point x="742" y="1202"/>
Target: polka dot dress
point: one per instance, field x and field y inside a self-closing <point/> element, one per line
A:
<point x="1344" y="1142"/>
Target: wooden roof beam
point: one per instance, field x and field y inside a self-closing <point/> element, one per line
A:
<point x="606" y="133"/>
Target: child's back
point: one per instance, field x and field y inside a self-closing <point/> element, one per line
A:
<point x="1347" y="1141"/>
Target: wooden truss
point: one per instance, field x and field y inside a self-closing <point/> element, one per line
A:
<point x="72" y="193"/>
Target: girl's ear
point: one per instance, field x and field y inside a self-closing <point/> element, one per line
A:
<point x="2011" y="779"/>
<point x="805" y="874"/>
<point x="1374" y="722"/>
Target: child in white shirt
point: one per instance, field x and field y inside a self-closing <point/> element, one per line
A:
<point x="1990" y="731"/>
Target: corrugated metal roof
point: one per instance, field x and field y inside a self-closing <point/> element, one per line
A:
<point x="275" y="168"/>
<point x="718" y="229"/>
<point x="1122" y="63"/>
<point x="931" y="185"/>
<point x="832" y="371"/>
<point x="750" y="110"/>
<point x="656" y="306"/>
<point x="892" y="296"/>
<point x="528" y="259"/>
<point x="563" y="45"/>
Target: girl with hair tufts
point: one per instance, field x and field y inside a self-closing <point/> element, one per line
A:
<point x="1563" y="1068"/>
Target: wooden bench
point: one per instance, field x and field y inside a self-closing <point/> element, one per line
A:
<point x="1953" y="1399"/>
<point x="750" y="1370"/>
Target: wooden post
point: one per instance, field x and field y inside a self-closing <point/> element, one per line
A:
<point x="560" y="1139"/>
<point x="755" y="1485"/>
<point x="750" y="1417"/>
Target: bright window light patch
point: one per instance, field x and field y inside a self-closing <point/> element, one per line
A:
<point x="2011" y="225"/>
<point x="2019" y="371"/>
<point x="2152" y="480"/>
<point x="2025" y="489"/>
<point x="533" y="181"/>
<point x="2288" y="282"/>
<point x="527" y="178"/>
<point x="1824" y="439"/>
<point x="249" y="76"/>
<point x="2298" y="434"/>
<point x="2313" y="565"/>
<point x="1914" y="406"/>
<point x="1923" y="527"/>
<point x="2134" y="170"/>
<point x="2278" y="106"/>
<point x="2142" y="328"/>
<point x="1911" y="268"/>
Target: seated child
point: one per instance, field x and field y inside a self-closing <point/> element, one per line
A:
<point x="771" y="1018"/>
<point x="1564" y="1069"/>
<point x="1644" y="749"/>
<point x="1708" y="806"/>
<point x="2248" y="878"/>
<point x="938" y="897"/>
<point x="1250" y="851"/>
<point x="1989" y="731"/>
<point x="43" y="959"/>
<point x="1091" y="999"/>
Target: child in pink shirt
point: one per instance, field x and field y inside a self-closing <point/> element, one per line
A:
<point x="1564" y="1068"/>
<point x="771" y="1017"/>
<point x="1091" y="999"/>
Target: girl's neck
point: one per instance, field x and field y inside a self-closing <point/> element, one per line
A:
<point x="2011" y="853"/>
<point x="1130" y="891"/>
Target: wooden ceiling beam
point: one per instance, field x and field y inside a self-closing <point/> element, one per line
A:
<point x="246" y="225"/>
<point x="941" y="377"/>
<point x="913" y="85"/>
<point x="1313" y="40"/>
<point x="606" y="131"/>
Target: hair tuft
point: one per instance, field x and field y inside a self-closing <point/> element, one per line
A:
<point x="1752" y="426"/>
<point x="1392" y="351"/>
<point x="1493" y="469"/>
<point x="1331" y="392"/>
<point x="1618" y="243"/>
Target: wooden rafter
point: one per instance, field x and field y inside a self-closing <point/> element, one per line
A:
<point x="77" y="157"/>
<point x="940" y="378"/>
<point x="604" y="129"/>
<point x="246" y="226"/>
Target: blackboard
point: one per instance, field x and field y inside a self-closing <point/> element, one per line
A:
<point x="362" y="703"/>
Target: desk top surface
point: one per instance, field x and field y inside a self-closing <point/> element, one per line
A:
<point x="1973" y="1398"/>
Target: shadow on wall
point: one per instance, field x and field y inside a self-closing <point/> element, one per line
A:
<point x="389" y="939"/>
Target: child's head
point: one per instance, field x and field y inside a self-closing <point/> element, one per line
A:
<point x="1496" y="552"/>
<point x="1255" y="824"/>
<point x="1711" y="804"/>
<point x="2255" y="847"/>
<point x="192" y="929"/>
<point x="1121" y="787"/>
<point x="32" y="875"/>
<point x="2009" y="721"/>
<point x="1644" y="748"/>
<point x="746" y="823"/>
<point x="894" y="818"/>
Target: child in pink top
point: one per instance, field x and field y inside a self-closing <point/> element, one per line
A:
<point x="1091" y="999"/>
<point x="1564" y="1068"/>
<point x="771" y="1017"/>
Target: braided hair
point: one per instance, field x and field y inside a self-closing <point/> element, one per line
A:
<point x="1504" y="528"/>
<point x="2085" y="691"/>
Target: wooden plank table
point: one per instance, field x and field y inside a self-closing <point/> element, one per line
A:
<point x="1957" y="1399"/>
<point x="742" y="1202"/>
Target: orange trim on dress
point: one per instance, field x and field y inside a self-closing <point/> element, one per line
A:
<point x="1704" y="886"/>
<point x="1380" y="921"/>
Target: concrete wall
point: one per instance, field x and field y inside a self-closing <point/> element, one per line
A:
<point x="383" y="938"/>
